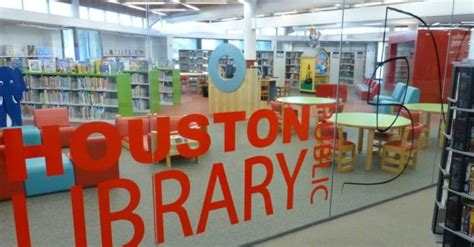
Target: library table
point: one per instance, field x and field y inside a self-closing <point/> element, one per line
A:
<point x="368" y="121"/>
<point x="427" y="109"/>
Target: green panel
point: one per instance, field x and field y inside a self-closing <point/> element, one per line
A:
<point x="124" y="94"/>
<point x="155" y="97"/>
<point x="176" y="87"/>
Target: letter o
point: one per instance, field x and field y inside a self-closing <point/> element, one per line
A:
<point x="230" y="85"/>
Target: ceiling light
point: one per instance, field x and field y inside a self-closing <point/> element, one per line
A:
<point x="337" y="5"/>
<point x="159" y="13"/>
<point x="324" y="9"/>
<point x="134" y="7"/>
<point x="241" y="1"/>
<point x="435" y="24"/>
<point x="190" y="6"/>
<point x="366" y="4"/>
<point x="146" y="3"/>
<point x="260" y="16"/>
<point x="467" y="22"/>
<point x="170" y="10"/>
<point x="286" y="13"/>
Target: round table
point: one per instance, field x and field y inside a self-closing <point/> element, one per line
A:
<point x="362" y="121"/>
<point x="305" y="100"/>
<point x="428" y="109"/>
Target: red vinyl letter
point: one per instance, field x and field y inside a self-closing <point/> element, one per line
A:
<point x="252" y="128"/>
<point x="217" y="173"/>
<point x="175" y="207"/>
<point x="20" y="213"/>
<point x="16" y="152"/>
<point x="106" y="217"/>
<point x="290" y="120"/>
<point x="250" y="189"/>
<point x="80" y="155"/>
<point x="198" y="134"/>
<point x="78" y="215"/>
<point x="230" y="120"/>
<point x="290" y="179"/>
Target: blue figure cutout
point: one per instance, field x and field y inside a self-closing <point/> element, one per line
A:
<point x="12" y="87"/>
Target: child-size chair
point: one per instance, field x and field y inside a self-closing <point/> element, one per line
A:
<point x="341" y="148"/>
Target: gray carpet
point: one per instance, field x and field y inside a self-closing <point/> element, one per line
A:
<point x="51" y="219"/>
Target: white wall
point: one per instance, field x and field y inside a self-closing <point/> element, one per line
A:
<point x="116" y="41"/>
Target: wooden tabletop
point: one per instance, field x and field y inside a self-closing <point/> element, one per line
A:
<point x="305" y="100"/>
<point x="368" y="120"/>
<point x="427" y="107"/>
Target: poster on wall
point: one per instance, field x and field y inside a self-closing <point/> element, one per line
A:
<point x="322" y="63"/>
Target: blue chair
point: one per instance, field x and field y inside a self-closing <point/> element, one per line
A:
<point x="397" y="93"/>
<point x="412" y="96"/>
<point x="39" y="183"/>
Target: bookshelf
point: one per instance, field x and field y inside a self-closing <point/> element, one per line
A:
<point x="266" y="58"/>
<point x="292" y="67"/>
<point x="87" y="96"/>
<point x="169" y="86"/>
<point x="346" y="67"/>
<point x="193" y="60"/>
<point x="454" y="204"/>
<point x="401" y="68"/>
<point x="145" y="91"/>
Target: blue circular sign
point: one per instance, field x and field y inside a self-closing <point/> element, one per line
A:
<point x="227" y="85"/>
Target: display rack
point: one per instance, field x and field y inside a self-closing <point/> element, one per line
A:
<point x="455" y="194"/>
<point x="170" y="86"/>
<point x="292" y="67"/>
<point x="346" y="67"/>
<point x="87" y="96"/>
<point x="193" y="60"/>
<point x="266" y="58"/>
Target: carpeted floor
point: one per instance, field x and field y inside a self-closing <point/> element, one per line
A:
<point x="51" y="218"/>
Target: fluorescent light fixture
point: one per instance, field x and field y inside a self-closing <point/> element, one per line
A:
<point x="175" y="1"/>
<point x="134" y="7"/>
<point x="159" y="13"/>
<point x="241" y="1"/>
<point x="435" y="24"/>
<point x="467" y="22"/>
<point x="230" y="19"/>
<point x="260" y="16"/>
<point x="286" y="13"/>
<point x="146" y="3"/>
<point x="190" y="6"/>
<point x="337" y="5"/>
<point x="324" y="9"/>
<point x="170" y="10"/>
<point x="366" y="4"/>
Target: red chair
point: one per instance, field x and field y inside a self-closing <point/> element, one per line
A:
<point x="374" y="90"/>
<point x="329" y="90"/>
<point x="7" y="188"/>
<point x="341" y="147"/>
<point x="122" y="125"/>
<point x="55" y="117"/>
<point x="96" y="147"/>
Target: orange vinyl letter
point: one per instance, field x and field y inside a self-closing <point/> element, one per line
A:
<point x="106" y="217"/>
<point x="252" y="129"/>
<point x="176" y="206"/>
<point x="230" y="120"/>
<point x="80" y="155"/>
<point x="290" y="179"/>
<point x="198" y="134"/>
<point x="290" y="120"/>
<point x="250" y="189"/>
<point x="217" y="173"/>
<point x="16" y="152"/>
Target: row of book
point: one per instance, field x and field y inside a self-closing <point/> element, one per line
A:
<point x="166" y="89"/>
<point x="138" y="78"/>
<point x="58" y="82"/>
<point x="467" y="220"/>
<point x="141" y="105"/>
<point x="89" y="98"/>
<point x="139" y="91"/>
<point x="66" y="82"/>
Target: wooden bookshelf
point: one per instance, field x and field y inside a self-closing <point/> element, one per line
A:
<point x="87" y="96"/>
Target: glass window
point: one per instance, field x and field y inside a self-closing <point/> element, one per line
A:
<point x="238" y="43"/>
<point x="111" y="17"/>
<point x="183" y="44"/>
<point x="14" y="4"/>
<point x="58" y="8"/>
<point x="89" y="44"/>
<point x="281" y="31"/>
<point x="125" y="20"/>
<point x="68" y="43"/>
<point x="137" y="22"/>
<point x="211" y="44"/>
<point x="84" y="12"/>
<point x="268" y="31"/>
<point x="36" y="5"/>
<point x="235" y="31"/>
<point x="96" y="14"/>
<point x="264" y="45"/>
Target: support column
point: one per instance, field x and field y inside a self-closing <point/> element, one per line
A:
<point x="75" y="8"/>
<point x="250" y="36"/>
<point x="471" y="48"/>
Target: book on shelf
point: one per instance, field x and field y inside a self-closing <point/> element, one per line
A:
<point x="467" y="219"/>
